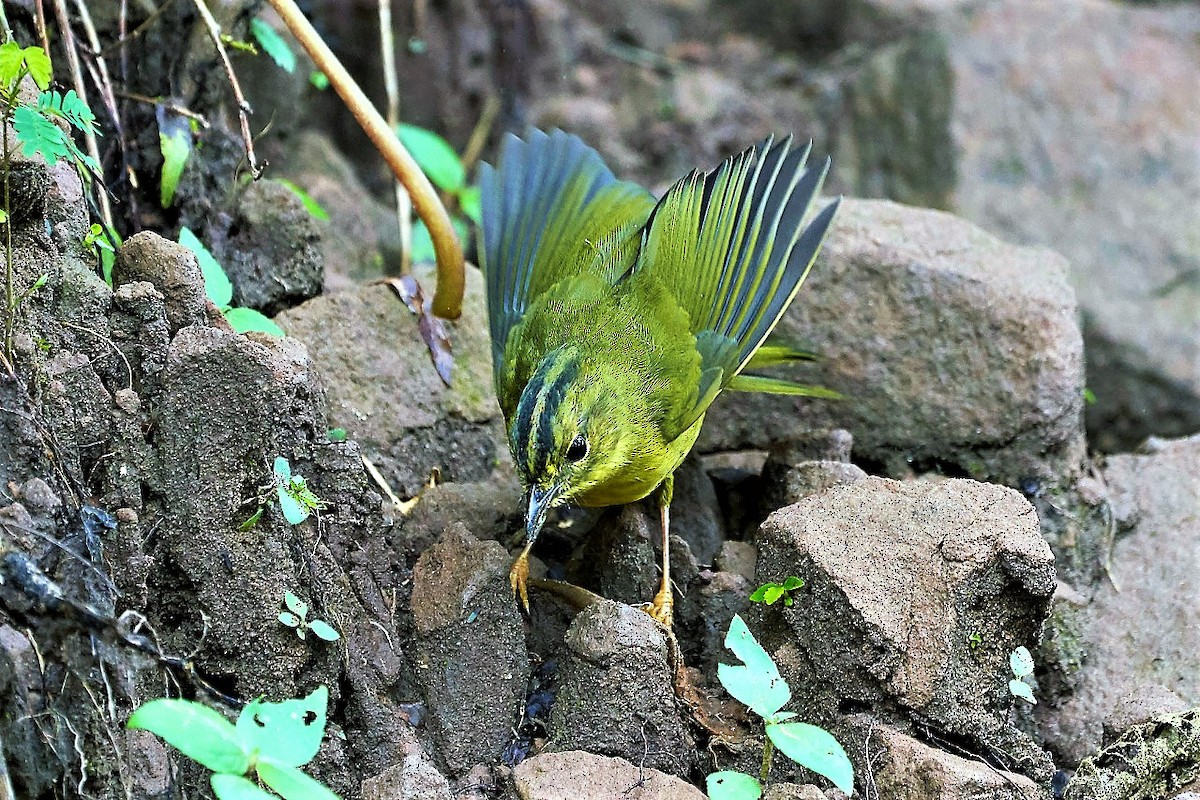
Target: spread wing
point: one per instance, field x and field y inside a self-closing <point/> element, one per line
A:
<point x="551" y="210"/>
<point x="732" y="246"/>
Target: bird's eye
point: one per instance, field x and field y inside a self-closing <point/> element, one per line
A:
<point x="578" y="448"/>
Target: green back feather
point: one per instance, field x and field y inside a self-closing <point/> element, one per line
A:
<point x="731" y="246"/>
<point x="552" y="210"/>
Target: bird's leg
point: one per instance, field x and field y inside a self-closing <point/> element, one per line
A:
<point x="662" y="608"/>
<point x="518" y="576"/>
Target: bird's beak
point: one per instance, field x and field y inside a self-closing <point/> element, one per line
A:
<point x="540" y="502"/>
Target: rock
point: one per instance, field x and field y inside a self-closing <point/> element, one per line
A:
<point x="1153" y="759"/>
<point x="903" y="581"/>
<point x="793" y="791"/>
<point x="894" y="139"/>
<point x="361" y="233"/>
<point x="384" y="391"/>
<point x="1144" y="635"/>
<point x="695" y="513"/>
<point x="470" y="643"/>
<point x="951" y="347"/>
<point x="910" y="769"/>
<point x="615" y="693"/>
<point x="721" y="596"/>
<point x="1036" y="87"/>
<point x="738" y="558"/>
<point x="230" y="404"/>
<point x="415" y="778"/>
<point x="173" y="270"/>
<point x="141" y="330"/>
<point x="491" y="509"/>
<point x="571" y="775"/>
<point x="269" y="250"/>
<point x="619" y="559"/>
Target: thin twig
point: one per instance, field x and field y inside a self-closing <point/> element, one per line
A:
<point x="447" y="302"/>
<point x="89" y="138"/>
<point x="103" y="82"/>
<point x="40" y="22"/>
<point x="139" y="30"/>
<point x="392" y="91"/>
<point x="243" y="108"/>
<point x="479" y="135"/>
<point x="169" y="106"/>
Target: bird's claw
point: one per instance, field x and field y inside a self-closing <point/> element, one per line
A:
<point x="662" y="608"/>
<point x="518" y="578"/>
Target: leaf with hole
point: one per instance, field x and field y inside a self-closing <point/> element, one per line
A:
<point x="434" y="156"/>
<point x="216" y="282"/>
<point x="295" y="604"/>
<point x="816" y="749"/>
<point x="197" y="731"/>
<point x="1021" y="662"/>
<point x="273" y="45"/>
<point x="288" y="733"/>
<point x="290" y="619"/>
<point x="731" y="785"/>
<point x="758" y="683"/>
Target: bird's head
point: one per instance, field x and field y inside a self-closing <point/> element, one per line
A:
<point x="569" y="434"/>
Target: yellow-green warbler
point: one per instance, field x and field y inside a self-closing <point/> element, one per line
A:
<point x="617" y="319"/>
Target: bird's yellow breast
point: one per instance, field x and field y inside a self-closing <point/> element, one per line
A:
<point x="643" y="474"/>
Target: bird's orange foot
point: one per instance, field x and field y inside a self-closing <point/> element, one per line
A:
<point x="662" y="608"/>
<point x="518" y="578"/>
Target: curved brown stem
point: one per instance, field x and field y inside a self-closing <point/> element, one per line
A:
<point x="447" y="300"/>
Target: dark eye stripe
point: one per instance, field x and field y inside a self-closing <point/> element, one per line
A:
<point x="534" y="423"/>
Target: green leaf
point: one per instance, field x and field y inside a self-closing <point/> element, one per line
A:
<point x="319" y="80"/>
<point x="731" y="785"/>
<point x="470" y="201"/>
<point x="1023" y="690"/>
<point x="293" y="511"/>
<point x="197" y="731"/>
<point x="282" y="470"/>
<point x="290" y="619"/>
<point x="816" y="749"/>
<point x="312" y="206"/>
<point x="337" y="434"/>
<point x="252" y="520"/>
<point x="235" y="787"/>
<point x="176" y="147"/>
<point x="287" y="733"/>
<point x="323" y="630"/>
<point x="70" y="107"/>
<point x="422" y="245"/>
<point x="291" y="783"/>
<point x="1021" y="662"/>
<point x="295" y="604"/>
<point x="39" y="136"/>
<point x="434" y="156"/>
<point x="793" y="583"/>
<point x="216" y="282"/>
<point x="758" y="684"/>
<point x="274" y="45"/>
<point x="773" y="594"/>
<point x="760" y="594"/>
<point x="244" y="320"/>
<point x="12" y="57"/>
<point x="38" y="64"/>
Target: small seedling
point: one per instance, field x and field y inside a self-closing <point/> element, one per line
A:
<point x="270" y="742"/>
<point x="1021" y="664"/>
<point x="758" y="684"/>
<point x="337" y="434"/>
<point x="220" y="290"/>
<point x="975" y="639"/>
<point x="296" y="617"/>
<point x="296" y="500"/>
<point x="770" y="593"/>
<point x="101" y="243"/>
